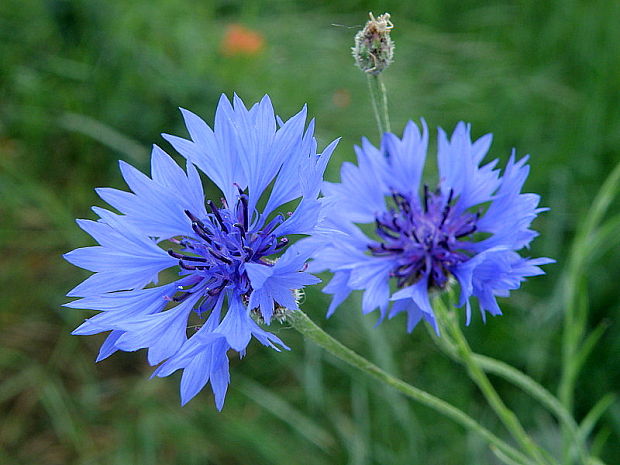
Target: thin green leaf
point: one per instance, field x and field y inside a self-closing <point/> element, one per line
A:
<point x="588" y="344"/>
<point x="103" y="133"/>
<point x="594" y="415"/>
<point x="283" y="410"/>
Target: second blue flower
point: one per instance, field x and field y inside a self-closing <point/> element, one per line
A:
<point x="399" y="240"/>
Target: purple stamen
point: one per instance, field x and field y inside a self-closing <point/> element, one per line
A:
<point x="216" y="213"/>
<point x="219" y="256"/>
<point x="199" y="229"/>
<point x="191" y="216"/>
<point x="446" y="210"/>
<point x="422" y="236"/>
<point x="223" y="243"/>
<point x="244" y="203"/>
<point x="218" y="289"/>
<point x="180" y="256"/>
<point x="241" y="229"/>
<point x="185" y="266"/>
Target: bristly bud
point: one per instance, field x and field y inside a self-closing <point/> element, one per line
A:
<point x="374" y="49"/>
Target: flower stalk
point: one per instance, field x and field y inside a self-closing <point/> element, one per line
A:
<point x="448" y="322"/>
<point x="304" y="325"/>
<point x="378" y="97"/>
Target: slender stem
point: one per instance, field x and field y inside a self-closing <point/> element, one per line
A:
<point x="523" y="381"/>
<point x="384" y="103"/>
<point x="375" y="105"/>
<point x="448" y="322"/>
<point x="378" y="97"/>
<point x="305" y="326"/>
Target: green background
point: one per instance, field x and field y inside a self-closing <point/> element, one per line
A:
<point x="85" y="83"/>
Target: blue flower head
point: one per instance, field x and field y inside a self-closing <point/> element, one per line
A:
<point x="467" y="229"/>
<point x="232" y="258"/>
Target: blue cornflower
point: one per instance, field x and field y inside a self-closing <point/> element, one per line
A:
<point x="225" y="253"/>
<point x="467" y="229"/>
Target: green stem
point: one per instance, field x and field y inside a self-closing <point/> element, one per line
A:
<point x="448" y="322"/>
<point x="523" y="381"/>
<point x="378" y="97"/>
<point x="300" y="321"/>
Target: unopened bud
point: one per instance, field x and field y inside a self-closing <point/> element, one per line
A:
<point x="374" y="49"/>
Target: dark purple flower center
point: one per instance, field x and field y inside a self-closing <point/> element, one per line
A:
<point x="225" y="240"/>
<point x="423" y="237"/>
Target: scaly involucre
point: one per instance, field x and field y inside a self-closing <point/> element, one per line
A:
<point x="231" y="259"/>
<point x="466" y="229"/>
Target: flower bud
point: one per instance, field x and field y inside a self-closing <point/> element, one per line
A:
<point x="374" y="49"/>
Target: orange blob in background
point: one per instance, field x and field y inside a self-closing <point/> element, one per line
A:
<point x="239" y="40"/>
<point x="341" y="98"/>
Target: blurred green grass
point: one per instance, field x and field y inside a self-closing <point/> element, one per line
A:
<point x="84" y="83"/>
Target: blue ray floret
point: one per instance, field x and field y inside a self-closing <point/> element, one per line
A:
<point x="234" y="264"/>
<point x="419" y="239"/>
